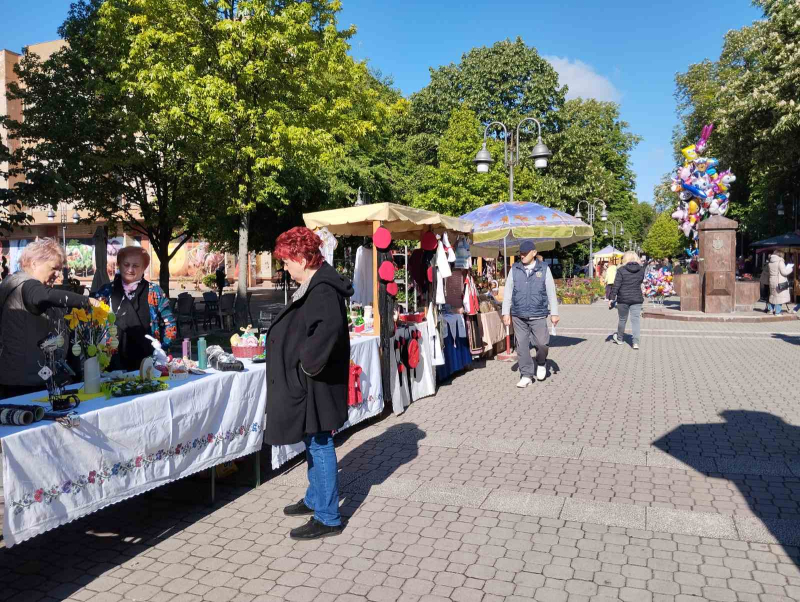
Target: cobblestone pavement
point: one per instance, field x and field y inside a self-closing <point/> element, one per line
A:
<point x="671" y="473"/>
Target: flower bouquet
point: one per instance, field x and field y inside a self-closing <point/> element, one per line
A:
<point x="95" y="341"/>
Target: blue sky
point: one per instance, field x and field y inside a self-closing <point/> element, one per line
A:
<point x="623" y="50"/>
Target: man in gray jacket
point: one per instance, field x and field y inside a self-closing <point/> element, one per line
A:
<point x="529" y="297"/>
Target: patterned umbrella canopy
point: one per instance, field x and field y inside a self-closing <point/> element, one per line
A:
<point x="520" y="220"/>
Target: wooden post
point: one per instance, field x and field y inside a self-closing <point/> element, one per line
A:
<point x="375" y="306"/>
<point x="480" y="265"/>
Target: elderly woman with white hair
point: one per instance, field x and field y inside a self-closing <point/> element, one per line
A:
<point x="27" y="301"/>
<point x="141" y="308"/>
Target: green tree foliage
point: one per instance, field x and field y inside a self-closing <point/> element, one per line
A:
<point x="11" y="214"/>
<point x="505" y="82"/>
<point x="751" y="95"/>
<point x="267" y="84"/>
<point x="453" y="187"/>
<point x="664" y="238"/>
<point x="101" y="143"/>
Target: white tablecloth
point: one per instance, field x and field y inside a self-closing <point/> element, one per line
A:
<point x="126" y="446"/>
<point x="364" y="351"/>
<point x="423" y="379"/>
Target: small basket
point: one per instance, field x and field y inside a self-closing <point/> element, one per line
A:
<point x="247" y="352"/>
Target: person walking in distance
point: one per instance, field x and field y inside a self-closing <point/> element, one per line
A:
<point x="220" y="274"/>
<point x="627" y="293"/>
<point x="529" y="297"/>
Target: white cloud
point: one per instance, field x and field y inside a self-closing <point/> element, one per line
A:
<point x="583" y="81"/>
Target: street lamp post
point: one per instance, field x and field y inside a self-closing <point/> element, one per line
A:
<point x="591" y="208"/>
<point x="483" y="160"/>
<point x="614" y="232"/>
<point x="63" y="208"/>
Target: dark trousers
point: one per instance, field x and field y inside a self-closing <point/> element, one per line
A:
<point x="531" y="332"/>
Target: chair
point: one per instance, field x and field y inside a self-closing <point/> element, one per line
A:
<point x="226" y="310"/>
<point x="265" y="318"/>
<point x="185" y="312"/>
<point x="211" y="311"/>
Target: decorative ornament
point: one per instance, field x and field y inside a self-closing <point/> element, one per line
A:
<point x="382" y="238"/>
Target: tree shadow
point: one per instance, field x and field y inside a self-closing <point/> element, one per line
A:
<point x="760" y="454"/>
<point x="367" y="467"/>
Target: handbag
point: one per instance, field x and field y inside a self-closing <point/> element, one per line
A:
<point x="783" y="286"/>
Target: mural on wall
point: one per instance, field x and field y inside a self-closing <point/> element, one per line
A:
<point x="14" y="251"/>
<point x="193" y="260"/>
<point x="80" y="257"/>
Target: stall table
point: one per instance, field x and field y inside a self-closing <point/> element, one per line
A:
<point x="365" y="353"/>
<point x="126" y="446"/>
<point x="455" y="346"/>
<point x="422" y="381"/>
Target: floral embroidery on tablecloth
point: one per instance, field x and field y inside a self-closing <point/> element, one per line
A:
<point x="120" y="469"/>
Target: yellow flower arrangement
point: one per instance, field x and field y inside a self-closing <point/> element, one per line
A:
<point x="95" y="333"/>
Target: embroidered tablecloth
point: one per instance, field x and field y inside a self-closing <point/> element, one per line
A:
<point x="126" y="446"/>
<point x="364" y="352"/>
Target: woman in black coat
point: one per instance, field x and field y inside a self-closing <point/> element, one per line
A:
<point x="308" y="363"/>
<point x="627" y="293"/>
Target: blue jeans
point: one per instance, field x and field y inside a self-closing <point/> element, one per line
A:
<point x="322" y="495"/>
<point x="777" y="308"/>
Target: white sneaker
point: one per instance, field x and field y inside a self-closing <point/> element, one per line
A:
<point x="636" y="345"/>
<point x="615" y="339"/>
<point x="541" y="372"/>
<point x="524" y="382"/>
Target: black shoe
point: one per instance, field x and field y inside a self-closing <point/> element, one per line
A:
<point x="298" y="509"/>
<point x="314" y="529"/>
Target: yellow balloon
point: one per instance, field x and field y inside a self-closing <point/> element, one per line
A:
<point x="693" y="207"/>
<point x="689" y="152"/>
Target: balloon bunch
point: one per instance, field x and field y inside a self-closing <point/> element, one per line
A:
<point x="702" y="188"/>
<point x="658" y="284"/>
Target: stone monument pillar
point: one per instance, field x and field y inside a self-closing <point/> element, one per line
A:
<point x="717" y="264"/>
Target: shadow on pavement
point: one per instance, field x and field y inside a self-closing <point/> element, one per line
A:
<point x="793" y="339"/>
<point x="374" y="461"/>
<point x="759" y="453"/>
<point x="562" y="341"/>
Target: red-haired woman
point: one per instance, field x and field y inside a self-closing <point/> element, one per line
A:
<point x="308" y="362"/>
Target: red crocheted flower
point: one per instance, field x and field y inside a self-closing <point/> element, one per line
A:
<point x="38" y="495"/>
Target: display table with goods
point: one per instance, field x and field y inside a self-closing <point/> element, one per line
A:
<point x="111" y="448"/>
<point x="366" y="393"/>
<point x="414" y="356"/>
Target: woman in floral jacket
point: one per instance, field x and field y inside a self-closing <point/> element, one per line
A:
<point x="141" y="308"/>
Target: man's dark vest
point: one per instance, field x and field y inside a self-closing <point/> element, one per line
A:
<point x="529" y="299"/>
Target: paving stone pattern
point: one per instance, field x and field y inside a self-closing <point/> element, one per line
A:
<point x="667" y="474"/>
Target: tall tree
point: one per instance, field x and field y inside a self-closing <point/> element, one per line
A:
<point x="664" y="238"/>
<point x="505" y="82"/>
<point x="750" y="94"/>
<point x="268" y="84"/>
<point x="11" y="213"/>
<point x="97" y="140"/>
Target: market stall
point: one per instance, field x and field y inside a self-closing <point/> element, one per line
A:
<point x="120" y="447"/>
<point x="411" y="352"/>
<point x="501" y="227"/>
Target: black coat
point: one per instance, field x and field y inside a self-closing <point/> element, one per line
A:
<point x="627" y="287"/>
<point x="308" y="362"/>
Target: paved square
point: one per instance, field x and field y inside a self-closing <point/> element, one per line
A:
<point x="671" y="473"/>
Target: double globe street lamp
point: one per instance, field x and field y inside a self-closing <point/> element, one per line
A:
<point x="614" y="232"/>
<point x="591" y="209"/>
<point x="483" y="160"/>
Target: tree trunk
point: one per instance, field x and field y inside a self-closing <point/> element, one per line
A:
<point x="163" y="269"/>
<point x="241" y="286"/>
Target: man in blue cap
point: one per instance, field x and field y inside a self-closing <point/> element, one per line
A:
<point x="529" y="297"/>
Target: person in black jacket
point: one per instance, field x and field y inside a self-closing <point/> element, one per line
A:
<point x="627" y="293"/>
<point x="27" y="302"/>
<point x="308" y="364"/>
